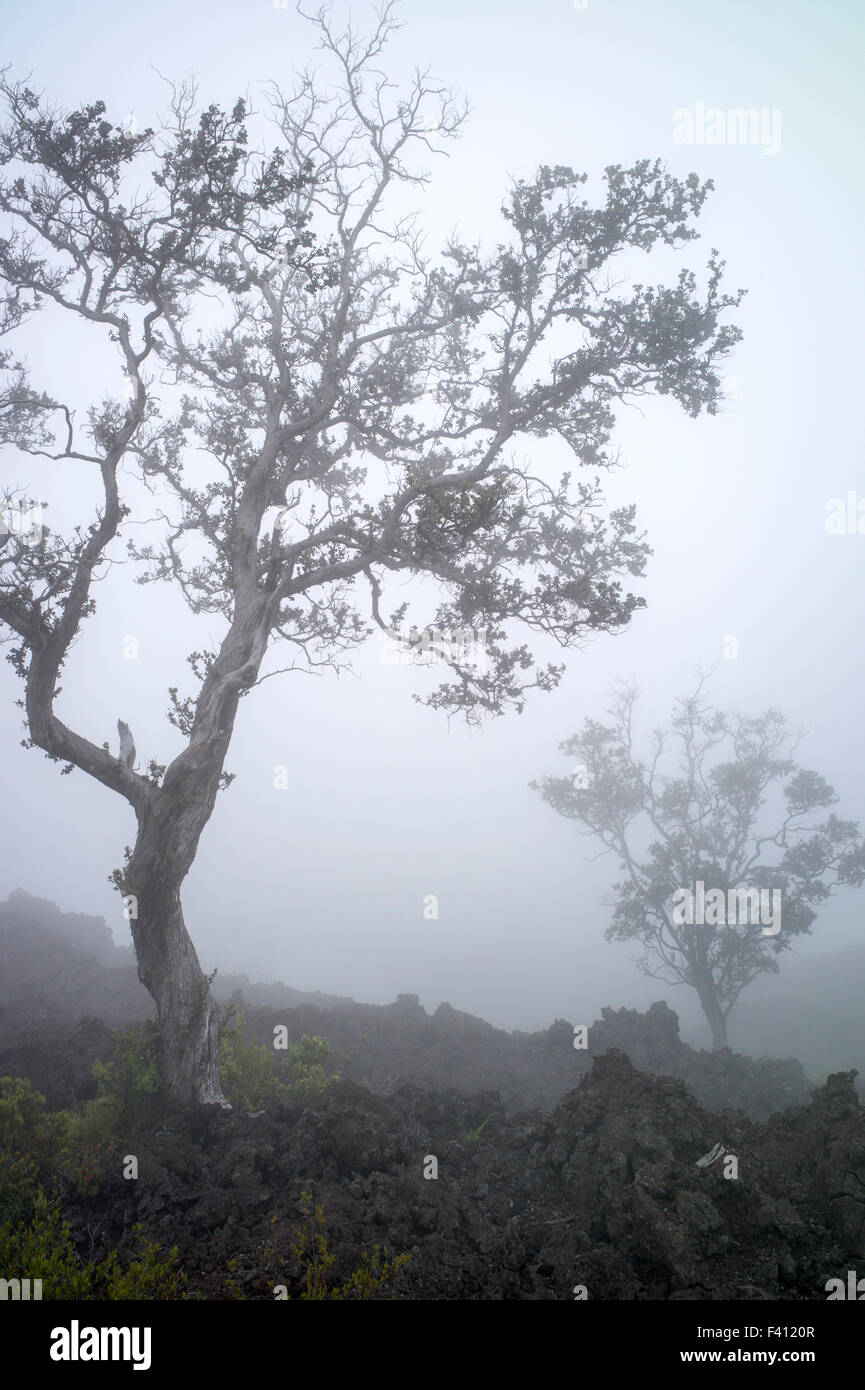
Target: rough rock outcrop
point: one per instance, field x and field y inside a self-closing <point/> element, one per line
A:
<point x="606" y="1193"/>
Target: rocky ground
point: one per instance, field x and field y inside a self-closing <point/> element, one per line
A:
<point x="559" y="1171"/>
<point x="604" y="1194"/>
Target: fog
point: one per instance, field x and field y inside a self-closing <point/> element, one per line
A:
<point x="323" y="884"/>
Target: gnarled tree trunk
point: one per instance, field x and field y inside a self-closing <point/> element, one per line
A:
<point x="170" y="825"/>
<point x="168" y="967"/>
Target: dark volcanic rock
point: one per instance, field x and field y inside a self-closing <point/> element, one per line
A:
<point x="606" y="1192"/>
<point x="638" y="1168"/>
<point x="717" y="1079"/>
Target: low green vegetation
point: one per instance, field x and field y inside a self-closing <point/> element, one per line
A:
<point x="474" y="1134"/>
<point x="40" y="1152"/>
<point x="130" y="1094"/>
<point x="45" y="1155"/>
<point x="311" y="1259"/>
<point x="252" y="1080"/>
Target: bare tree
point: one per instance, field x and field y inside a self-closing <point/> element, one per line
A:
<point x="695" y="849"/>
<point x="345" y="409"/>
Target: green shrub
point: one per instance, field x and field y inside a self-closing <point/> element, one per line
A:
<point x="474" y="1134"/>
<point x="249" y="1078"/>
<point x="130" y="1090"/>
<point x="32" y="1144"/>
<point x="310" y="1250"/>
<point x="147" y="1277"/>
<point x="37" y="1148"/>
<point x="245" y="1066"/>
<point x="25" y="1127"/>
<point x="41" y="1247"/>
<point x="306" y="1074"/>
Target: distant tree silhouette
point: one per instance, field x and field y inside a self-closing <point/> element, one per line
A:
<point x="706" y="825"/>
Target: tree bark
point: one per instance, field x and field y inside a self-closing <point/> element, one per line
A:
<point x="714" y="1016"/>
<point x="169" y="968"/>
<point x="170" y="825"/>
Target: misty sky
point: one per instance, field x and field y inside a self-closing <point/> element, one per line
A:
<point x="322" y="885"/>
